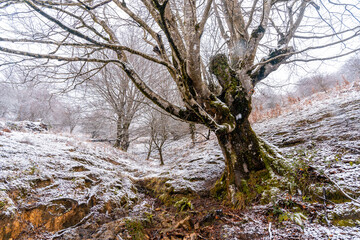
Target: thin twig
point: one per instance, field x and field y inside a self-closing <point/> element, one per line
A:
<point x="270" y="233"/>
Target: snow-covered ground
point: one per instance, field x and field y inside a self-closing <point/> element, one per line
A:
<point x="41" y="170"/>
<point x="187" y="167"/>
<point x="326" y="132"/>
<point x="62" y="174"/>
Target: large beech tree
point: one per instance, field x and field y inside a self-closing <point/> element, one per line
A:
<point x="215" y="51"/>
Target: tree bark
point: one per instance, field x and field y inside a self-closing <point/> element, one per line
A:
<point x="242" y="153"/>
<point x="161" y="156"/>
<point x="192" y="129"/>
<point x="150" y="149"/>
<point x="122" y="135"/>
<point x="241" y="147"/>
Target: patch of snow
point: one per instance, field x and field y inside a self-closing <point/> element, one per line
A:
<point x="238" y="117"/>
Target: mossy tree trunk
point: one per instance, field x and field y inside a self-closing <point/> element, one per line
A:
<point x="242" y="154"/>
<point x="241" y="147"/>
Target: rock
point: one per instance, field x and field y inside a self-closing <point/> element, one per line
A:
<point x="211" y="217"/>
<point x="292" y="142"/>
<point x="27" y="126"/>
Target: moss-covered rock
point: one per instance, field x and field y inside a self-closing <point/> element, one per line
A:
<point x="162" y="190"/>
<point x="346" y="222"/>
<point x="346" y="215"/>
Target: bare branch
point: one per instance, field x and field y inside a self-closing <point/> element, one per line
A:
<point x="221" y="26"/>
<point x="54" y="57"/>
<point x="52" y="6"/>
<point x="60" y="24"/>
<point x="251" y="15"/>
<point x="205" y="16"/>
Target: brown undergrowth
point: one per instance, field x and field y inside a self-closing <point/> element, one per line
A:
<point x="211" y="219"/>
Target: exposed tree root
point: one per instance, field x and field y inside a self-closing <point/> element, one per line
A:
<point x="355" y="202"/>
<point x="281" y="176"/>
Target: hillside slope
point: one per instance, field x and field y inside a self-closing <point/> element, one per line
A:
<point x="326" y="130"/>
<point x="62" y="187"/>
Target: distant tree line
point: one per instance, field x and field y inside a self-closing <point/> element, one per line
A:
<point x="268" y="97"/>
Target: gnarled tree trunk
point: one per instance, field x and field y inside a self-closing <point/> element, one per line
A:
<point x="241" y="147"/>
<point x="242" y="153"/>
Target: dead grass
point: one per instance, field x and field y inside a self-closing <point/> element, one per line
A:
<point x="6" y="130"/>
<point x="292" y="103"/>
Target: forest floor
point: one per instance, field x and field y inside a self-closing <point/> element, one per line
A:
<point x="61" y="187"/>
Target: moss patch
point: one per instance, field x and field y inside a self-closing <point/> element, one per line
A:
<point x="183" y="204"/>
<point x="280" y="176"/>
<point x="346" y="217"/>
<point x="154" y="186"/>
<point x="252" y="190"/>
<point x="2" y="205"/>
<point x="135" y="229"/>
<point x="346" y="223"/>
<point x="219" y="191"/>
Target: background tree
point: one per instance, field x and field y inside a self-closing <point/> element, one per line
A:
<point x="122" y="96"/>
<point x="241" y="42"/>
<point x="316" y="83"/>
<point x="161" y="129"/>
<point x="96" y="122"/>
<point x="266" y="97"/>
<point x="70" y="116"/>
<point x="351" y="69"/>
<point x="158" y="123"/>
<point x="5" y="100"/>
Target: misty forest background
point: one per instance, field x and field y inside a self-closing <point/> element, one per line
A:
<point x="109" y="108"/>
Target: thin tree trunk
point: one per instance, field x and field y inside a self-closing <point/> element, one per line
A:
<point x="150" y="149"/>
<point x="161" y="156"/>
<point x="125" y="142"/>
<point x="71" y="129"/>
<point x="118" y="133"/>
